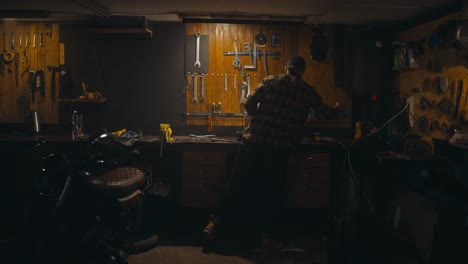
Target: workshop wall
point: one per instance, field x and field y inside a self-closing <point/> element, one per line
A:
<point x="141" y="79"/>
<point x="437" y="80"/>
<point x="144" y="81"/>
<point x="28" y="50"/>
<point x="222" y="80"/>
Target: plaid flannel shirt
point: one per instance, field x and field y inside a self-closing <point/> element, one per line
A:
<point x="278" y="108"/>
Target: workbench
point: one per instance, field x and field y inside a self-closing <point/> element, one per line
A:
<point x="197" y="167"/>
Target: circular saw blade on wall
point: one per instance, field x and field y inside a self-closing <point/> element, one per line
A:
<point x="261" y="38"/>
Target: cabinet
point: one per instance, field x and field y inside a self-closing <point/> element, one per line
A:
<point x="309" y="180"/>
<point x="203" y="174"/>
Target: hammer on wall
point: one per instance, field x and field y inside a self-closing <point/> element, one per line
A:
<point x="53" y="69"/>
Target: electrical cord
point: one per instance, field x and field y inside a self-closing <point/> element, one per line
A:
<point x="381" y="127"/>
<point x="354" y="174"/>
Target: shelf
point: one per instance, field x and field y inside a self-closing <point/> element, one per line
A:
<point x="79" y="100"/>
<point x="211" y="114"/>
<point x="407" y="68"/>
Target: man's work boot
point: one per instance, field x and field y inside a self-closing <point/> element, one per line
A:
<point x="209" y="233"/>
<point x="270" y="245"/>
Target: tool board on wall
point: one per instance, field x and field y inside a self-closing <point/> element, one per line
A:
<point x="29" y="50"/>
<point x="237" y="57"/>
<point x="438" y="86"/>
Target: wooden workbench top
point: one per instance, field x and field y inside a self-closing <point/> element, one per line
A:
<point x="178" y="139"/>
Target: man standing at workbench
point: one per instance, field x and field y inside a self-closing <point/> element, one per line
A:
<point x="256" y="191"/>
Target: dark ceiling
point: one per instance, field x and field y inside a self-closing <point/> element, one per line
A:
<point x="307" y="11"/>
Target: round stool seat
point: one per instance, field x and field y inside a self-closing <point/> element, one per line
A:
<point x="119" y="182"/>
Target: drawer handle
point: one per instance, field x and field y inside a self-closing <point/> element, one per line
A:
<point x="310" y="158"/>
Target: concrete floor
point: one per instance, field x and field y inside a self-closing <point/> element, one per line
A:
<point x="180" y="233"/>
<point x="186" y="247"/>
<point x="166" y="254"/>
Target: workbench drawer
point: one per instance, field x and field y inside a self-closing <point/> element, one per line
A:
<point x="192" y="171"/>
<point x="203" y="157"/>
<point x="310" y="196"/>
<point x="308" y="160"/>
<point x="203" y="174"/>
<point x="318" y="175"/>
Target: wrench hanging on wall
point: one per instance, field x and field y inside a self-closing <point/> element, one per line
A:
<point x="195" y="88"/>
<point x="24" y="58"/>
<point x="197" y="63"/>
<point x="225" y="82"/>
<point x="202" y="92"/>
<point x="242" y="94"/>
<point x="234" y="76"/>
<point x="197" y="53"/>
<point x="12" y="43"/>
<point x="248" y="85"/>
<point x="16" y="64"/>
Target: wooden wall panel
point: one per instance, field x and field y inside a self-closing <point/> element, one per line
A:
<point x="8" y="82"/>
<point x="15" y="101"/>
<point x="22" y="92"/>
<point x="295" y="40"/>
<point x="32" y="31"/>
<point x="410" y="81"/>
<point x="52" y="58"/>
<point x="274" y="64"/>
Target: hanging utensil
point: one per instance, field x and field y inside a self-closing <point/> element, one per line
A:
<point x="423" y="103"/>
<point x="457" y="105"/>
<point x="436" y="85"/>
<point x="434" y="125"/>
<point x="423" y="123"/>
<point x="8" y="56"/>
<point x="444" y="105"/>
<point x="443" y="84"/>
<point x="444" y="128"/>
<point x="12" y="43"/>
